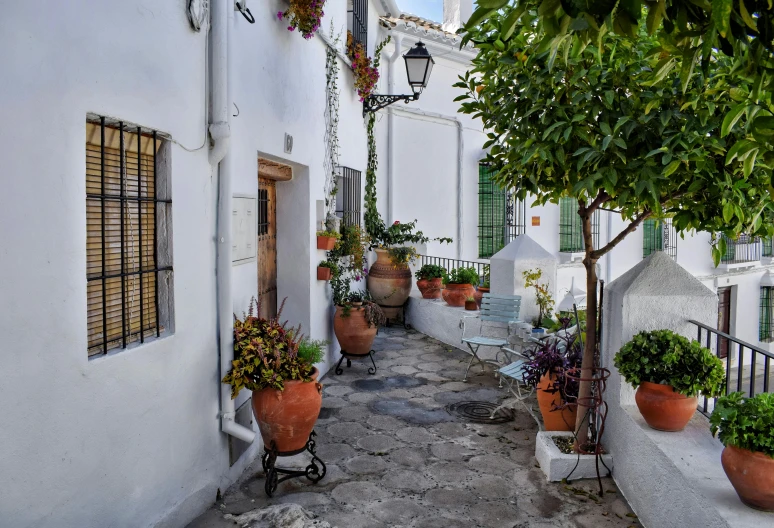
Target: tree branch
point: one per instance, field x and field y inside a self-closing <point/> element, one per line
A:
<point x="601" y="198"/>
<point x="623" y="234"/>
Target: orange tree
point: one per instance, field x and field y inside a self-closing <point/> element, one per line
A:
<point x="604" y="122"/>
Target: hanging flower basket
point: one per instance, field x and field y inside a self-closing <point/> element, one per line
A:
<point x="304" y="15"/>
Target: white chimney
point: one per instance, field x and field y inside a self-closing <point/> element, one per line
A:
<point x="456" y="13"/>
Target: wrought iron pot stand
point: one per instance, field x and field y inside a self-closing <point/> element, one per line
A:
<point x="349" y="357"/>
<point x="272" y="472"/>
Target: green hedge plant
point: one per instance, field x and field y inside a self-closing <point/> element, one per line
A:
<point x="462" y="276"/>
<point x="662" y="356"/>
<point x="746" y="423"/>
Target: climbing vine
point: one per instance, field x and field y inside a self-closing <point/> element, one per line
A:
<point x="331" y="125"/>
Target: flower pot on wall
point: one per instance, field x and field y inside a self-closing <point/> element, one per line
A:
<point x="479" y="295"/>
<point x="471" y="306"/>
<point x="752" y="475"/>
<point x="353" y="333"/>
<point x="663" y="408"/>
<point x="430" y="288"/>
<point x="456" y="294"/>
<point x="287" y="417"/>
<point x="389" y="283"/>
<point x="323" y="274"/>
<point x="554" y="419"/>
<point x="326" y="243"/>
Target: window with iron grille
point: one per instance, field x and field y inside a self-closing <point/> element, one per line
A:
<point x="744" y="249"/>
<point x="766" y="325"/>
<point x="263" y="212"/>
<point x="128" y="235"/>
<point x="571" y="227"/>
<point x="348" y="196"/>
<point x="659" y="235"/>
<point x="501" y="217"/>
<point x="767" y="249"/>
<point x="357" y="21"/>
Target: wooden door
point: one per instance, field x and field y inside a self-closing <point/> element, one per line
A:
<point x="267" y="247"/>
<point x="724" y="319"/>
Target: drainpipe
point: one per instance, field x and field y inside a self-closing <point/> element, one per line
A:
<point x="608" y="257"/>
<point x="460" y="148"/>
<point x="391" y="128"/>
<point x="220" y="157"/>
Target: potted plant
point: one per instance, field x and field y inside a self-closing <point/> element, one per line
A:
<point x="326" y="269"/>
<point x="483" y="287"/>
<point x="459" y="286"/>
<point x="470" y="304"/>
<point x="355" y="324"/>
<point x="668" y="372"/>
<point x="430" y="280"/>
<point x="326" y="240"/>
<point x="286" y="395"/>
<point x="746" y="427"/>
<point x="543" y="297"/>
<point x="304" y="15"/>
<point x="545" y="370"/>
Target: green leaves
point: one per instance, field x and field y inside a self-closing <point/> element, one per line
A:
<point x="721" y="15"/>
<point x="744" y="422"/>
<point x="731" y="118"/>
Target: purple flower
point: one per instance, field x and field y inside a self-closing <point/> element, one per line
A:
<point x="279" y="15"/>
<point x="291" y="28"/>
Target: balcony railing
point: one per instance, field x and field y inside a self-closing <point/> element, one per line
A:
<point x="744" y="249"/>
<point x="450" y="264"/>
<point x="750" y="372"/>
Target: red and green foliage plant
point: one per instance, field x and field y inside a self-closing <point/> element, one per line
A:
<point x="265" y="353"/>
<point x="304" y="15"/>
<point x="366" y="73"/>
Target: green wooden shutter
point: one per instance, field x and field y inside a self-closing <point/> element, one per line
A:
<point x="765" y="332"/>
<point x="767" y="249"/>
<point x="491" y="213"/>
<point x="570" y="227"/>
<point x="653" y="237"/>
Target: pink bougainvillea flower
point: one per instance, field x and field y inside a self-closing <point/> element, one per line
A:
<point x="279" y="15"/>
<point x="396" y="222"/>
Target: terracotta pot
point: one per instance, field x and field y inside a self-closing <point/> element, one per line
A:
<point x="663" y="408"/>
<point x="471" y="306"/>
<point x="456" y="294"/>
<point x="353" y="332"/>
<point x="430" y="288"/>
<point x="554" y="420"/>
<point x="752" y="475"/>
<point x="287" y="417"/>
<point x="323" y="273"/>
<point x="389" y="284"/>
<point x="479" y="295"/>
<point x="326" y="243"/>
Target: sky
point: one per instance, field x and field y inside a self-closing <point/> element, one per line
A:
<point x="429" y="9"/>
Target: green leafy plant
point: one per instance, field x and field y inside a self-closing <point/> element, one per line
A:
<point x="462" y="276"/>
<point x="265" y="353"/>
<point x="485" y="277"/>
<point x="662" y="356"/>
<point x="332" y="93"/>
<point x="431" y="271"/>
<point x="402" y="255"/>
<point x="744" y="422"/>
<point x="331" y="264"/>
<point x="470" y="299"/>
<point x="311" y="350"/>
<point x="542" y="294"/>
<point x="329" y="234"/>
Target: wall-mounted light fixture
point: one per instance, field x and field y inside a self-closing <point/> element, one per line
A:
<point x="419" y="64"/>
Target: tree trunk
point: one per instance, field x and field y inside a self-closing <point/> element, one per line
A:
<point x="590" y="345"/>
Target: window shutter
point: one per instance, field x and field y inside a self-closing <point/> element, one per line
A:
<point x="491" y="213"/>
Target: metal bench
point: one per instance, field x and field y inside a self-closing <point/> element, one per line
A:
<point x="494" y="308"/>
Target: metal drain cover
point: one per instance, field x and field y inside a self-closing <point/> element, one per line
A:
<point x="480" y="412"/>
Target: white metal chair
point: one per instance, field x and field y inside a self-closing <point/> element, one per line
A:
<point x="495" y="308"/>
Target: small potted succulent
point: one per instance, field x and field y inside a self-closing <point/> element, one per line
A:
<point x="669" y="372"/>
<point x="459" y="286"/>
<point x="326" y="269"/>
<point x="268" y="361"/>
<point x="430" y="280"/>
<point x="326" y="240"/>
<point x="746" y="427"/>
<point x="470" y="304"/>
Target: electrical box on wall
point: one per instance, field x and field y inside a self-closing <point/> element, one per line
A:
<point x="243" y="229"/>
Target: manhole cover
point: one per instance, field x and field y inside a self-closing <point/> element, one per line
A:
<point x="480" y="412"/>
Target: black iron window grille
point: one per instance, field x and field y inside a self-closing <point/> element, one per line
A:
<point x="744" y="249"/>
<point x="357" y="18"/>
<point x="263" y="212"/>
<point x="348" y="196"/>
<point x="571" y="227"/>
<point x="501" y="217"/>
<point x="765" y="326"/>
<point x="659" y="235"/>
<point x="767" y="247"/>
<point x="128" y="220"/>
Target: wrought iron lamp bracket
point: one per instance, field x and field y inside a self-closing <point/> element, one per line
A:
<point x="375" y="102"/>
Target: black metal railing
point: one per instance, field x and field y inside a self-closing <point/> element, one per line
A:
<point x="358" y="21"/>
<point x="743" y="249"/>
<point x="450" y="264"/>
<point x="348" y="196"/>
<point x="751" y="377"/>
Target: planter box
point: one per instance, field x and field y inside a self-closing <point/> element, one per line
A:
<point x="323" y="274"/>
<point x="326" y="243"/>
<point x="557" y="465"/>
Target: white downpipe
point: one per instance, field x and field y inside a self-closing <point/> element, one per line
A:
<point x="608" y="259"/>
<point x="460" y="148"/>
<point x="220" y="155"/>
<point x="391" y="128"/>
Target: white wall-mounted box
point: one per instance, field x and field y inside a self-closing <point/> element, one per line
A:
<point x="243" y="229"/>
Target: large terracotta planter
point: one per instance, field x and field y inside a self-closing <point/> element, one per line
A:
<point x="389" y="284"/>
<point x="326" y="243"/>
<point x="456" y="294"/>
<point x="353" y="333"/>
<point x="479" y="295"/>
<point x="663" y="408"/>
<point x="287" y="417"/>
<point x="554" y="420"/>
<point x="752" y="475"/>
<point x="430" y="288"/>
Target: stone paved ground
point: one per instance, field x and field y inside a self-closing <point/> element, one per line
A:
<point x="397" y="458"/>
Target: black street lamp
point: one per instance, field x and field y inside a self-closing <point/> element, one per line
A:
<point x="419" y="64"/>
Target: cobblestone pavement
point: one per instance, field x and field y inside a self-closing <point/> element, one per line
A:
<point x="397" y="458"/>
